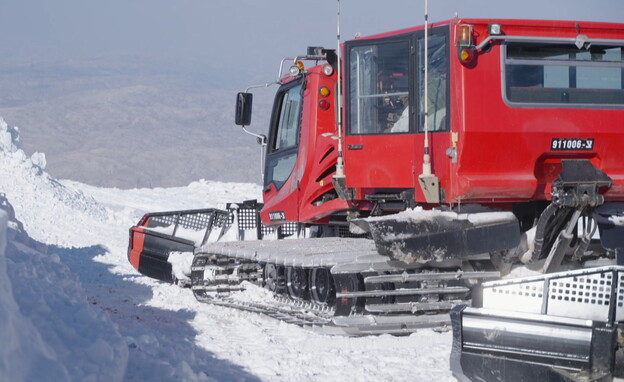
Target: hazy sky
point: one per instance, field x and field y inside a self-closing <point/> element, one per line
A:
<point x="124" y="92"/>
<point x="237" y="35"/>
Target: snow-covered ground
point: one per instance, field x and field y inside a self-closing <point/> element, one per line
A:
<point x="73" y="309"/>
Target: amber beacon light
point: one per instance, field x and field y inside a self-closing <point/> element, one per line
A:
<point x="465" y="46"/>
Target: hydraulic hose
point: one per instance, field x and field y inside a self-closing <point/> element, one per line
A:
<point x="540" y="230"/>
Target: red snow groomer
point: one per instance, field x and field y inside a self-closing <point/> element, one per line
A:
<point x="413" y="171"/>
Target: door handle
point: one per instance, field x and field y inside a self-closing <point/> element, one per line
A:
<point x="355" y="147"/>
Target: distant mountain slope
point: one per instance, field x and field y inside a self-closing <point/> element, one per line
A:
<point x="108" y="125"/>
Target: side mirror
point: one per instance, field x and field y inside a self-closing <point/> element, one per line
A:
<point x="243" y="109"/>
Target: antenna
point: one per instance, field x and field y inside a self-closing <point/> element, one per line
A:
<point x="340" y="163"/>
<point x="426" y="158"/>
<point x="429" y="182"/>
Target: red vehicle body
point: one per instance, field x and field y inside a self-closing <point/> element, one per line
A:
<point x="520" y="119"/>
<point x="299" y="197"/>
<point x="497" y="135"/>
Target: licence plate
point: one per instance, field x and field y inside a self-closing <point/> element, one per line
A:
<point x="565" y="144"/>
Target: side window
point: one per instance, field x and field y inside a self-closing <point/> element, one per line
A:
<point x="379" y="88"/>
<point x="437" y="85"/>
<point x="564" y="74"/>
<point x="284" y="136"/>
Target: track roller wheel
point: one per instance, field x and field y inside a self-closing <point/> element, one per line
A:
<point x="322" y="288"/>
<point x="347" y="282"/>
<point x="297" y="283"/>
<point x="197" y="276"/>
<point x="274" y="278"/>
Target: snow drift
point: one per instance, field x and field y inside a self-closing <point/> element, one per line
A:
<point x="48" y="329"/>
<point x="38" y="199"/>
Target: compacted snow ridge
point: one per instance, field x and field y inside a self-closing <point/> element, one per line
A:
<point x="48" y="328"/>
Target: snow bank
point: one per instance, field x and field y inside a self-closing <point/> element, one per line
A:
<point x="48" y="330"/>
<point x="39" y="200"/>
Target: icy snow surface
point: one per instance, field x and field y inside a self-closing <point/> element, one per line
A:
<point x="73" y="309"/>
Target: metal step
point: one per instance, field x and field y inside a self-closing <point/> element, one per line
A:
<point x="412" y="307"/>
<point x="219" y="288"/>
<point x="398" y="324"/>
<point x="409" y="277"/>
<point x="402" y="292"/>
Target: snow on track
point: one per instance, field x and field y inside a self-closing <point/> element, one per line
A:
<point x="139" y="329"/>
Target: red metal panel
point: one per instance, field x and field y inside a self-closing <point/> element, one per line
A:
<point x="380" y="161"/>
<point x="301" y="197"/>
<point x="137" y="239"/>
<point x="319" y="151"/>
<point x="504" y="151"/>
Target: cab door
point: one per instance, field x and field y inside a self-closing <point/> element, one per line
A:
<point x="380" y="147"/>
<point x="281" y="188"/>
<point x="385" y="114"/>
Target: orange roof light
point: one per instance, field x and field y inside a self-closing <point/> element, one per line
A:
<point x="464" y="35"/>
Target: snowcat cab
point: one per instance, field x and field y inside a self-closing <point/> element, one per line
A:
<point x="301" y="150"/>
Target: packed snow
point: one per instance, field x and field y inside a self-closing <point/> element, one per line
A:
<point x="72" y="308"/>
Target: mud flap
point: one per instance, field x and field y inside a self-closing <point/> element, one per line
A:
<point x="422" y="236"/>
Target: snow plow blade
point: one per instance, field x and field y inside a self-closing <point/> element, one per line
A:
<point x="559" y="327"/>
<point x="422" y="236"/>
<point x="160" y="233"/>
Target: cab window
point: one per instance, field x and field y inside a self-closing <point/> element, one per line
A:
<point x="386" y="84"/>
<point x="289" y="116"/>
<point x="379" y="88"/>
<point x="437" y="83"/>
<point x="284" y="135"/>
<point x="563" y="74"/>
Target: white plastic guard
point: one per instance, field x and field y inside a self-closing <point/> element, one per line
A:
<point x="583" y="294"/>
<point x="619" y="315"/>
